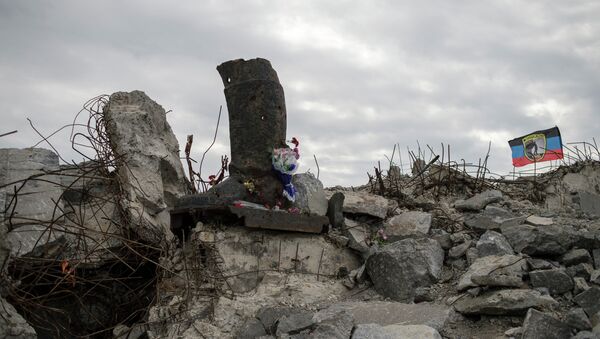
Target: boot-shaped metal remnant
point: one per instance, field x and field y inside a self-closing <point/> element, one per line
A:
<point x="257" y="115"/>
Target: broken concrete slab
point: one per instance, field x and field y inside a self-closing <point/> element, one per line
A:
<point x="247" y="255"/>
<point x="407" y="224"/>
<point x="38" y="200"/>
<point x="506" y="265"/>
<point x="365" y="203"/>
<point x="540" y="325"/>
<point x="389" y="313"/>
<point x="503" y="302"/>
<point x="87" y="196"/>
<point x="152" y="176"/>
<point x="557" y="281"/>
<point x="479" y="201"/>
<point x="399" y="268"/>
<point x="279" y="219"/>
<point x="374" y="331"/>
<point x="310" y="196"/>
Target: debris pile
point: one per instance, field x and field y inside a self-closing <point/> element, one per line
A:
<point x="118" y="246"/>
<point x="83" y="241"/>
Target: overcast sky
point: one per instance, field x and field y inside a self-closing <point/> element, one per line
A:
<point x="359" y="76"/>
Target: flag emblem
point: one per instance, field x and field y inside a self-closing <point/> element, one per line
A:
<point x="535" y="147"/>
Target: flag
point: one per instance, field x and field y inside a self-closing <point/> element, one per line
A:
<point x="538" y="146"/>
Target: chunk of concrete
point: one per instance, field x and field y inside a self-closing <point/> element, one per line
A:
<point x="332" y="324"/>
<point x="152" y="177"/>
<point x="540" y="264"/>
<point x="580" y="270"/>
<point x="400" y="267"/>
<point x="310" y="196"/>
<point x="335" y="210"/>
<point x="247" y="253"/>
<point x="576" y="256"/>
<point x="365" y="203"/>
<point x="358" y="234"/>
<point x="497" y="280"/>
<point x="35" y="240"/>
<point x="589" y="300"/>
<point x="90" y="207"/>
<point x="590" y="203"/>
<point x="37" y="197"/>
<point x="557" y="281"/>
<point x="535" y="220"/>
<point x="459" y="250"/>
<point x="12" y="324"/>
<point x="493" y="243"/>
<point x="540" y="325"/>
<point x="503" y="302"/>
<point x="577" y="319"/>
<point x="269" y="315"/>
<point x="506" y="265"/>
<point x="492" y="218"/>
<point x="408" y="223"/>
<point x="389" y="313"/>
<point x="479" y="201"/>
<point x="294" y="323"/>
<point x="595" y="277"/>
<point x="374" y="331"/>
<point x="580" y="285"/>
<point x="279" y="219"/>
<point x="252" y="328"/>
<point x="539" y="241"/>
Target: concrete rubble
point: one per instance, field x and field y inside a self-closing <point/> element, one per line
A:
<point x="153" y="176"/>
<point x="434" y="253"/>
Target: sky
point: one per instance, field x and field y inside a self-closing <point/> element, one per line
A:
<point x="359" y="76"/>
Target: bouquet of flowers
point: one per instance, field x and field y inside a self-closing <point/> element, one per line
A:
<point x="285" y="164"/>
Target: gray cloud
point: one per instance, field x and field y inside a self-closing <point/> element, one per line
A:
<point x="359" y="76"/>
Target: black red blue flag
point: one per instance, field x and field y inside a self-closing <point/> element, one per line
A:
<point x="538" y="146"/>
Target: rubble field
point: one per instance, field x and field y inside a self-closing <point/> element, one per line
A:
<point x="127" y="245"/>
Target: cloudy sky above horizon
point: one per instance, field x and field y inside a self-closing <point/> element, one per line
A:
<point x="359" y="77"/>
